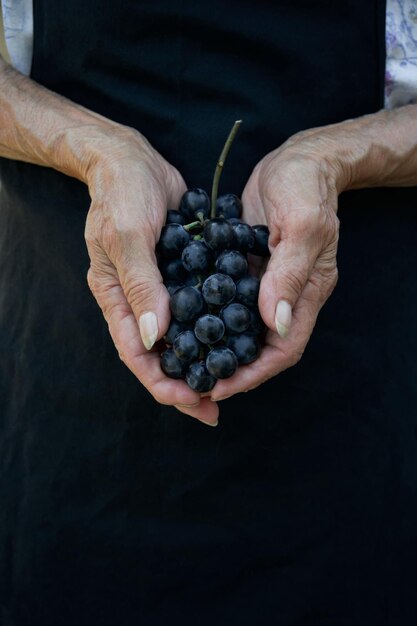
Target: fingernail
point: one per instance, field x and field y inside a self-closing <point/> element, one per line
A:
<point x="209" y="423"/>
<point x="283" y="315"/>
<point x="148" y="328"/>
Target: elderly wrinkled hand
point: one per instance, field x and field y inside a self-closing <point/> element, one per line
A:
<point x="131" y="189"/>
<point x="294" y="191"/>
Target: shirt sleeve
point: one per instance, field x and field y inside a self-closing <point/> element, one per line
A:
<point x="18" y="33"/>
<point x="401" y="53"/>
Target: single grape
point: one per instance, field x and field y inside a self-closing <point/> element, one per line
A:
<point x="261" y="240"/>
<point x="196" y="257"/>
<point x="232" y="263"/>
<point x="218" y="234"/>
<point x="172" y="269"/>
<point x="199" y="378"/>
<point x="246" y="347"/>
<point x="187" y="304"/>
<point x="244" y="237"/>
<point x="236" y="318"/>
<point x="186" y="346"/>
<point x="174" y="217"/>
<point x="209" y="328"/>
<point x="172" y="241"/>
<point x="173" y="285"/>
<point x="228" y="206"/>
<point x="192" y="280"/>
<point x="221" y="362"/>
<point x="171" y="365"/>
<point x="247" y="290"/>
<point x="174" y="329"/>
<point x="195" y="202"/>
<point x="218" y="289"/>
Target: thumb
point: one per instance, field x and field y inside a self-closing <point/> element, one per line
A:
<point x="286" y="275"/>
<point x="143" y="287"/>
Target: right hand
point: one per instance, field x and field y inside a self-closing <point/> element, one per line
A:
<point x="132" y="187"/>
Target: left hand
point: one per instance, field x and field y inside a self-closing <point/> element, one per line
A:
<point x="293" y="190"/>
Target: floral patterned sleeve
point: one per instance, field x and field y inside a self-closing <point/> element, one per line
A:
<point x="401" y="50"/>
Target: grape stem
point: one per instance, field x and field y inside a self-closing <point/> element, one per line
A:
<point x="192" y="225"/>
<point x="219" y="166"/>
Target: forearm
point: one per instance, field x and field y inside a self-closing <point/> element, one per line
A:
<point x="370" y="151"/>
<point x="42" y="127"/>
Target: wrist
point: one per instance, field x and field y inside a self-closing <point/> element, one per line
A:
<point x="86" y="150"/>
<point x="379" y="149"/>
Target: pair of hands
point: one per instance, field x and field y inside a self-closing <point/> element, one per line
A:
<point x="293" y="190"/>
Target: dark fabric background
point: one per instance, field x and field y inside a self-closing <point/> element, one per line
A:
<point x="300" y="507"/>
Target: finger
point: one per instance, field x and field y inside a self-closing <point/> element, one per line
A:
<point x="206" y="411"/>
<point x="142" y="285"/>
<point x="124" y="331"/>
<point x="176" y="187"/>
<point x="130" y="246"/>
<point x="285" y="278"/>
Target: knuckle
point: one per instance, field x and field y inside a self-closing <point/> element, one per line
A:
<point x="294" y="280"/>
<point x="328" y="275"/>
<point x="332" y="278"/>
<point x="160" y="398"/>
<point x="331" y="226"/>
<point x="138" y="291"/>
<point x="91" y="280"/>
<point x="90" y="238"/>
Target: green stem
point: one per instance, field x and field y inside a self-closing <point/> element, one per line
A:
<point x="219" y="166"/>
<point x="192" y="225"/>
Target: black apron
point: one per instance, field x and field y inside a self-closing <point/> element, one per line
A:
<point x="300" y="507"/>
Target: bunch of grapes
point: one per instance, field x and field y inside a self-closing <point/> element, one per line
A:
<point x="202" y="256"/>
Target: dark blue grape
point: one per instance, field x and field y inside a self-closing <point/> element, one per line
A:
<point x="247" y="290"/>
<point x="246" y="348"/>
<point x="261" y="240"/>
<point x="174" y="217"/>
<point x="172" y="241"/>
<point x="173" y="285"/>
<point x="236" y="318"/>
<point x="209" y="328"/>
<point x="197" y="257"/>
<point x="199" y="378"/>
<point x="232" y="263"/>
<point x="218" y="234"/>
<point x="187" y="304"/>
<point x="221" y="362"/>
<point x="192" y="280"/>
<point x="244" y="237"/>
<point x="228" y="206"/>
<point x="171" y="365"/>
<point x="174" y="329"/>
<point x="257" y="325"/>
<point x="172" y="269"/>
<point x="218" y="289"/>
<point x="194" y="202"/>
<point x="186" y="346"/>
